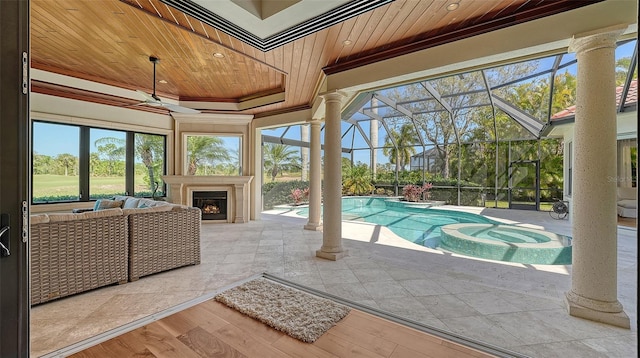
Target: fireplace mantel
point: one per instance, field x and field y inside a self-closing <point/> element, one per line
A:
<point x="181" y="188"/>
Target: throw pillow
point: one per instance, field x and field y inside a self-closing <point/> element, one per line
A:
<point x="131" y="203"/>
<point x="102" y="204"/>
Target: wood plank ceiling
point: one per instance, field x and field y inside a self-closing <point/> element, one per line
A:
<point x="110" y="41"/>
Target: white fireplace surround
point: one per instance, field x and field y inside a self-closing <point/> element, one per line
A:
<point x="181" y="188"/>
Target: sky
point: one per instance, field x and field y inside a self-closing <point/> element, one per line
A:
<point x="53" y="139"/>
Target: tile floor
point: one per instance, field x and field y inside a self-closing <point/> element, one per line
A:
<point x="515" y="306"/>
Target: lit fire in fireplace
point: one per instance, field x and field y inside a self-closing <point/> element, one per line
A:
<point x="210" y="209"/>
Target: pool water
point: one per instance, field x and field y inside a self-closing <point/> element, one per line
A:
<point x="505" y="234"/>
<point x="423" y="227"/>
<point x="418" y="225"/>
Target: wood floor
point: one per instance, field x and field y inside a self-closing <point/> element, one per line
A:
<point x="630" y="222"/>
<point x="211" y="329"/>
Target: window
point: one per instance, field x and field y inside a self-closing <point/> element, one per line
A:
<point x="80" y="163"/>
<point x="627" y="163"/>
<point x="55" y="174"/>
<point x="213" y="154"/>
<point x="107" y="163"/>
<point x="149" y="165"/>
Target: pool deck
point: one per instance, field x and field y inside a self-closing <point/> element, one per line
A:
<point x="516" y="306"/>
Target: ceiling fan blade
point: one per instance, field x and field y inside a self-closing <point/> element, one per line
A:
<point x="153" y="100"/>
<point x="179" y="109"/>
<point x="147" y="97"/>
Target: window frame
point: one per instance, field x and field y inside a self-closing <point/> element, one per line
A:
<point x="185" y="152"/>
<point x="84" y="151"/>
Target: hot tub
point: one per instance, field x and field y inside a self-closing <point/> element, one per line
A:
<point x="506" y="243"/>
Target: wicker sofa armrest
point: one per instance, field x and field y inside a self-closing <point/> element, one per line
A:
<point x="160" y="241"/>
<point x="69" y="257"/>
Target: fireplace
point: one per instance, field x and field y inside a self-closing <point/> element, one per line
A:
<point x="182" y="188"/>
<point x="213" y="204"/>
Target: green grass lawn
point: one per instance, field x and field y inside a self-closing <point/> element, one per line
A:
<point x="503" y="204"/>
<point x="46" y="185"/>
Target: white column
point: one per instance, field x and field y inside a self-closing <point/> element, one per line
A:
<point x="332" y="214"/>
<point x="315" y="178"/>
<point x="593" y="293"/>
<point x="373" y="133"/>
<point x="304" y="152"/>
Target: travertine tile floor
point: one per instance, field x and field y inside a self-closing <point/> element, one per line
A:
<point x="515" y="306"/>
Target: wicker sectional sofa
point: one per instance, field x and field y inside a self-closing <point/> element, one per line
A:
<point x="73" y="253"/>
<point x="160" y="241"/>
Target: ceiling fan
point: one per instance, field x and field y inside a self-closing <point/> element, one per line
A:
<point x="154" y="101"/>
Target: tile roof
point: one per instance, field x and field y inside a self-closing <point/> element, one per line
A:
<point x="632" y="97"/>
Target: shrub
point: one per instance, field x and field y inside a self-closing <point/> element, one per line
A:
<point x="416" y="193"/>
<point x="356" y="180"/>
<point x="279" y="193"/>
<point x="298" y="194"/>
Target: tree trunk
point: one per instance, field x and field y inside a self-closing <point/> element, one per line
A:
<point x="192" y="168"/>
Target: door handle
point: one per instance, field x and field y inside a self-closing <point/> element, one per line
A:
<point x="4" y="235"/>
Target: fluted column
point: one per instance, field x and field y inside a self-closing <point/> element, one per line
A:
<point x="315" y="178"/>
<point x="594" y="279"/>
<point x="332" y="214"/>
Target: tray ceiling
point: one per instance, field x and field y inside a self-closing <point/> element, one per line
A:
<point x="110" y="41"/>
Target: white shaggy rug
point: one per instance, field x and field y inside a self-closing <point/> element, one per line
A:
<point x="296" y="313"/>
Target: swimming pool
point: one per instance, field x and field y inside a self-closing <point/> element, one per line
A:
<point x="424" y="226"/>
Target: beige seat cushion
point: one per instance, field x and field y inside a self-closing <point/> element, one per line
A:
<point x="153" y="209"/>
<point x="627" y="193"/>
<point x="57" y="217"/>
<point x="629" y="204"/>
<point x="39" y="219"/>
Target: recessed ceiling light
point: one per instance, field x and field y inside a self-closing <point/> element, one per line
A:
<point x="346" y="42"/>
<point x="453" y="6"/>
<point x="218" y="55"/>
<point x="163" y="81"/>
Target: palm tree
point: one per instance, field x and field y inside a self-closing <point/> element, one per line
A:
<point x="67" y="161"/>
<point x="150" y="149"/>
<point x="278" y="158"/>
<point x="113" y="148"/>
<point x="405" y="141"/>
<point x="204" y="149"/>
<point x="356" y="180"/>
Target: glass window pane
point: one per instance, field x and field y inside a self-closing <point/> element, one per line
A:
<point x="149" y="165"/>
<point x="213" y="155"/>
<point x="564" y="92"/>
<point x="530" y="96"/>
<point x="551" y="170"/>
<point x="624" y="53"/>
<point x="107" y="163"/>
<point x="274" y="132"/>
<point x="500" y="75"/>
<point x="293" y="132"/>
<point x="348" y="132"/>
<point x="55" y="174"/>
<point x="509" y="129"/>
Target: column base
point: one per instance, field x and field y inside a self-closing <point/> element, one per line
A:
<point x="313" y="227"/>
<point x="619" y="319"/>
<point x="333" y="256"/>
